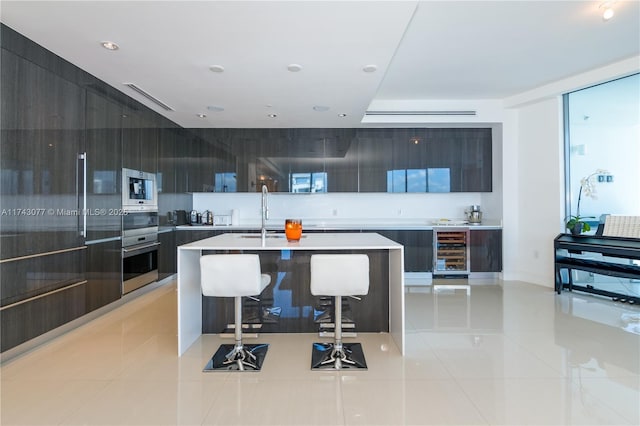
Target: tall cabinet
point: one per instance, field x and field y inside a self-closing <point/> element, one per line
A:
<point x="42" y="244"/>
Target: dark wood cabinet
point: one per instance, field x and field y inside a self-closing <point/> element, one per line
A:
<point x="42" y="129"/>
<point x="22" y="322"/>
<point x="476" y="161"/>
<point x="418" y="248"/>
<point x="167" y="254"/>
<point x="340" y="160"/>
<point x="104" y="274"/>
<point x="263" y="157"/>
<point x="486" y="250"/>
<point x="139" y="141"/>
<point x="103" y="166"/>
<point x="375" y="159"/>
<point x="188" y="236"/>
<point x="168" y="139"/>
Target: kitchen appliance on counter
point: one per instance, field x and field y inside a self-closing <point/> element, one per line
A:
<point x="223" y="219"/>
<point x="451" y="252"/>
<point x="178" y="217"/>
<point x="474" y="215"/>
<point x="195" y="218"/>
<point x="139" y="249"/>
<point x="207" y="217"/>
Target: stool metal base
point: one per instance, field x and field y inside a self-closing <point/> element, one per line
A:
<point x="325" y="357"/>
<point x="230" y="358"/>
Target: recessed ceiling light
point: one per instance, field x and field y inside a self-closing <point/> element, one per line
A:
<point x="320" y="108"/>
<point x="216" y="68"/>
<point x="273" y="115"/>
<point x="215" y="108"/>
<point x="370" y="68"/>
<point x="342" y="115"/>
<point x="109" y="45"/>
<point x="607" y="9"/>
<point x="294" y="67"/>
<point x="201" y="115"/>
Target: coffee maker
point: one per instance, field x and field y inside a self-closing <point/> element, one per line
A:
<point x="474" y="215"/>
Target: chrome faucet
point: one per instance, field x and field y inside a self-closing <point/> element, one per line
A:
<point x="264" y="211"/>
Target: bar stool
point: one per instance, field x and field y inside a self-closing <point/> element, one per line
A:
<point x="234" y="275"/>
<point x="339" y="275"/>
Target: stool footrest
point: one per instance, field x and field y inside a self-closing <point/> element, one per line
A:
<point x="333" y="325"/>
<point x="332" y="334"/>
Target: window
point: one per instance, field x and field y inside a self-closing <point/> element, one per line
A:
<point x="602" y="125"/>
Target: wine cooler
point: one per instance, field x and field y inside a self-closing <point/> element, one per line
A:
<point x="451" y="252"/>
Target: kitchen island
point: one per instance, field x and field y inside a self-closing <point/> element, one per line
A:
<point x="190" y="300"/>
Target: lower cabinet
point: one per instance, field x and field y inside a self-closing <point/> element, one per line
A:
<point x="104" y="274"/>
<point x="418" y="248"/>
<point x="486" y="250"/>
<point x="167" y="254"/>
<point x="85" y="280"/>
<point x="26" y="320"/>
<point x="185" y="237"/>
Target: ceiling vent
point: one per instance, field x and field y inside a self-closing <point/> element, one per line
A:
<point x="149" y="97"/>
<point x="435" y="113"/>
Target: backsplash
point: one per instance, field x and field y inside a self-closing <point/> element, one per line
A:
<point x="343" y="206"/>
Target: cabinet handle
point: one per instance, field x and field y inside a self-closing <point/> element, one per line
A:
<point x="48" y="253"/>
<point x="83" y="157"/>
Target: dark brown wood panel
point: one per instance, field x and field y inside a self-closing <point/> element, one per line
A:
<point x="290" y="292"/>
<point x="31" y="319"/>
<point x="486" y="250"/>
<point x="104" y="274"/>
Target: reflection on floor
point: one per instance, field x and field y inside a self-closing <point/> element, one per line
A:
<point x="512" y="354"/>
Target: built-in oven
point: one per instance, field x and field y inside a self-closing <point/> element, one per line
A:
<point x="139" y="249"/>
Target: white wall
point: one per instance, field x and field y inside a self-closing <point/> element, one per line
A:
<point x="540" y="189"/>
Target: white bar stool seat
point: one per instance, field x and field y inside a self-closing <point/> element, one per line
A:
<point x="234" y="275"/>
<point x="339" y="275"/>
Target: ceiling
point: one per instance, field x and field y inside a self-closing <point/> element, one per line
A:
<point x="421" y="50"/>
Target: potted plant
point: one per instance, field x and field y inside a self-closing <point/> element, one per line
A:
<point x="577" y="224"/>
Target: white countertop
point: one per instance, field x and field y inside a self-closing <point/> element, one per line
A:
<point x="277" y="241"/>
<point x="349" y="224"/>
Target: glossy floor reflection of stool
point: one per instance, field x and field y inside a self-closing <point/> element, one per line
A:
<point x="234" y="275"/>
<point x="339" y="275"/>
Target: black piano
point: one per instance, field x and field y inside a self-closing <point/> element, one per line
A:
<point x="611" y="256"/>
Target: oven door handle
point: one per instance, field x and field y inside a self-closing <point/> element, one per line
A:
<point x="137" y="248"/>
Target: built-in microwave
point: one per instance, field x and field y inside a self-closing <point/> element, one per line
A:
<point x="139" y="191"/>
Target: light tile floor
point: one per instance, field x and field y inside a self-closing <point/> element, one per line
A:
<point x="511" y="354"/>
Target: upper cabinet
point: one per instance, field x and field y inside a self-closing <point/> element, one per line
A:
<point x="140" y="140"/>
<point x="340" y="160"/>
